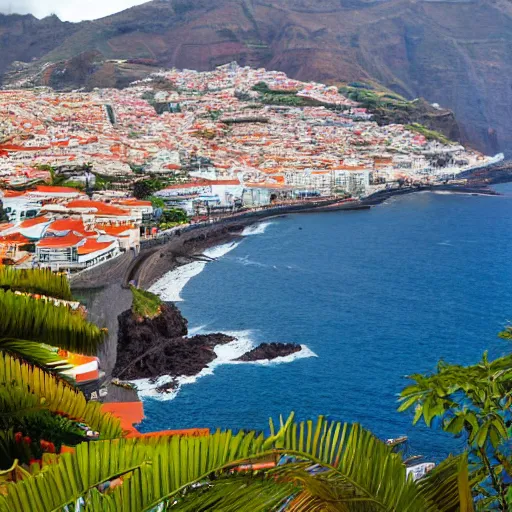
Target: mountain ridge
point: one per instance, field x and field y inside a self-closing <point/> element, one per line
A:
<point x="454" y="53"/>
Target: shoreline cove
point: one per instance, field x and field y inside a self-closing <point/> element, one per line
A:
<point x="171" y="284"/>
<point x="169" y="288"/>
<point x="370" y="320"/>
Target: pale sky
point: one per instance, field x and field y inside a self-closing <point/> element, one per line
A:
<point x="67" y="10"/>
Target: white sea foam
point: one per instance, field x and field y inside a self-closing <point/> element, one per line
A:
<point x="220" y="250"/>
<point x="447" y="192"/>
<point x="248" y="262"/>
<point x="226" y="354"/>
<point x="170" y="286"/>
<point x="256" y="229"/>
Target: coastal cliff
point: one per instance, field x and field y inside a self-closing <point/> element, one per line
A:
<point x="149" y="348"/>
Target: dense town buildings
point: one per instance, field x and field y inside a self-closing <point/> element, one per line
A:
<point x="228" y="138"/>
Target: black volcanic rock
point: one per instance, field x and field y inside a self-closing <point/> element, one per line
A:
<point x="151" y="348"/>
<point x="270" y="351"/>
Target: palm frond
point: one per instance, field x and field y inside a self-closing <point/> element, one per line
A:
<point x="237" y="494"/>
<point x="37" y="281"/>
<point x="58" y="395"/>
<point x="158" y="467"/>
<point x="25" y="318"/>
<point x="16" y="402"/>
<point x="366" y="467"/>
<point x="449" y="486"/>
<point x="334" y="467"/>
<point x="31" y="352"/>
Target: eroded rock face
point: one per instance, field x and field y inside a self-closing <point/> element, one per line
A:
<point x="151" y="348"/>
<point x="148" y="349"/>
<point x="270" y="351"/>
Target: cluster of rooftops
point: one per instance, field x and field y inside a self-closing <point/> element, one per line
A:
<point x="69" y="230"/>
<point x="235" y="135"/>
<point x="166" y="122"/>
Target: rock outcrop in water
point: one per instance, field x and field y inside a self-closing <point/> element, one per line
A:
<point x="270" y="351"/>
<point x="150" y="348"/>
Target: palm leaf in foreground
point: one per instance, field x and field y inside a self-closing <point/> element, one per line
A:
<point x="36" y="281"/>
<point x="29" y="319"/>
<point x="57" y="395"/>
<point x="333" y="466"/>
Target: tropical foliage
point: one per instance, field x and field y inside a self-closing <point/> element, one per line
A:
<point x="39" y="410"/>
<point x="472" y="402"/>
<point x="37" y="281"/>
<point x="321" y="465"/>
<point x="145" y="304"/>
<point x="26" y="320"/>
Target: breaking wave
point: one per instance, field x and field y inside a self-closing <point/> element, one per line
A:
<point x="256" y="229"/>
<point x="170" y="286"/>
<point x="226" y="354"/>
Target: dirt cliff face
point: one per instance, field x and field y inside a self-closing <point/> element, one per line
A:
<point x="453" y="52"/>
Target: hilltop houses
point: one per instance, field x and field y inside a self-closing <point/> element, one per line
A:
<point x="215" y="141"/>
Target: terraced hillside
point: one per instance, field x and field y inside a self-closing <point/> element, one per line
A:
<point x="455" y="53"/>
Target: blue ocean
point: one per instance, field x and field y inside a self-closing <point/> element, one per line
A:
<point x="376" y="295"/>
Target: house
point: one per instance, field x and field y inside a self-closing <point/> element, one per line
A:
<point x="74" y="251"/>
<point x="352" y="179"/>
<point x="43" y="192"/>
<point x="141" y="210"/>
<point x="18" y="206"/>
<point x="11" y="247"/>
<point x="222" y="192"/>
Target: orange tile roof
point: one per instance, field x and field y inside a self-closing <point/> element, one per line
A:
<point x="87" y="376"/>
<point x="34" y="222"/>
<point x="69" y="225"/>
<point x="91" y="245"/>
<point x="14" y="238"/>
<point x="61" y="190"/>
<point x="114" y="230"/>
<point x="101" y="208"/>
<point x="70" y="240"/>
<point x="13" y="193"/>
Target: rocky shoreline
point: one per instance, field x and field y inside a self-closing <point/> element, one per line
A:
<point x="158" y="347"/>
<point x="107" y="296"/>
<point x="270" y="351"/>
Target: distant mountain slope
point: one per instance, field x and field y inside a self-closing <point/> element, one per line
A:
<point x="456" y="53"/>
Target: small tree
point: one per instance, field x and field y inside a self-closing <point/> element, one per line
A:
<point x="473" y="402"/>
